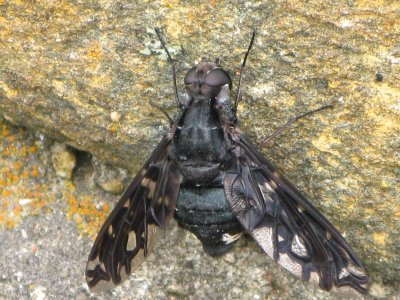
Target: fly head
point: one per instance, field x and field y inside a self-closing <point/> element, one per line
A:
<point x="207" y="79"/>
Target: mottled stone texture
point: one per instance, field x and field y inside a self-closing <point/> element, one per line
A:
<point x="68" y="67"/>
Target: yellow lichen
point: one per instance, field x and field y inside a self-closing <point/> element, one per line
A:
<point x="85" y="214"/>
<point x="5" y="132"/>
<point x="10" y="93"/>
<point x="113" y="128"/>
<point x="325" y="141"/>
<point x="100" y="81"/>
<point x="376" y="5"/>
<point x="95" y="51"/>
<point x="380" y="238"/>
<point x="16" y="164"/>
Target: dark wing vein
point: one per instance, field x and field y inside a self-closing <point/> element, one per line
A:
<point x="287" y="226"/>
<point x="129" y="233"/>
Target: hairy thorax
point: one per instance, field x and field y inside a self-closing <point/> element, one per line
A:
<point x="199" y="144"/>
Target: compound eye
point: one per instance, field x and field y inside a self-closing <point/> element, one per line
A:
<point x="191" y="76"/>
<point x="217" y="78"/>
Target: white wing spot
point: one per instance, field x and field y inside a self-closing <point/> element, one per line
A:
<point x="343" y="273"/>
<point x="298" y="246"/>
<point x="272" y="185"/>
<point x="110" y="230"/>
<point x="314" y="277"/>
<point x="131" y="245"/>
<point x="290" y="265"/>
<point x="263" y="235"/>
<point x="300" y="209"/>
<point x="93" y="263"/>
<point x="230" y="238"/>
<point x="355" y="270"/>
<point x="127" y="203"/>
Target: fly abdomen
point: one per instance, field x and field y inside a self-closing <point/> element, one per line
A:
<point x="205" y="212"/>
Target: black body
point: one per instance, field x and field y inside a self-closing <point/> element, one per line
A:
<point x="199" y="143"/>
<point x="204" y="211"/>
<point x="207" y="174"/>
<point x="200" y="147"/>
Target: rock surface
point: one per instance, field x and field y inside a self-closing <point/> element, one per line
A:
<point x="63" y="160"/>
<point x="84" y="73"/>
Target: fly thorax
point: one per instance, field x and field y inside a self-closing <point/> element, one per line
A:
<point x="199" y="142"/>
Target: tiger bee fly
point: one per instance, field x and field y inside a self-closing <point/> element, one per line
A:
<point x="208" y="175"/>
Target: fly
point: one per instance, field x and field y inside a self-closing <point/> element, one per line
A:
<point x="207" y="174"/>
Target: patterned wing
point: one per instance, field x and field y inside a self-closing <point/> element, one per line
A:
<point x="287" y="226"/>
<point x="130" y="231"/>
